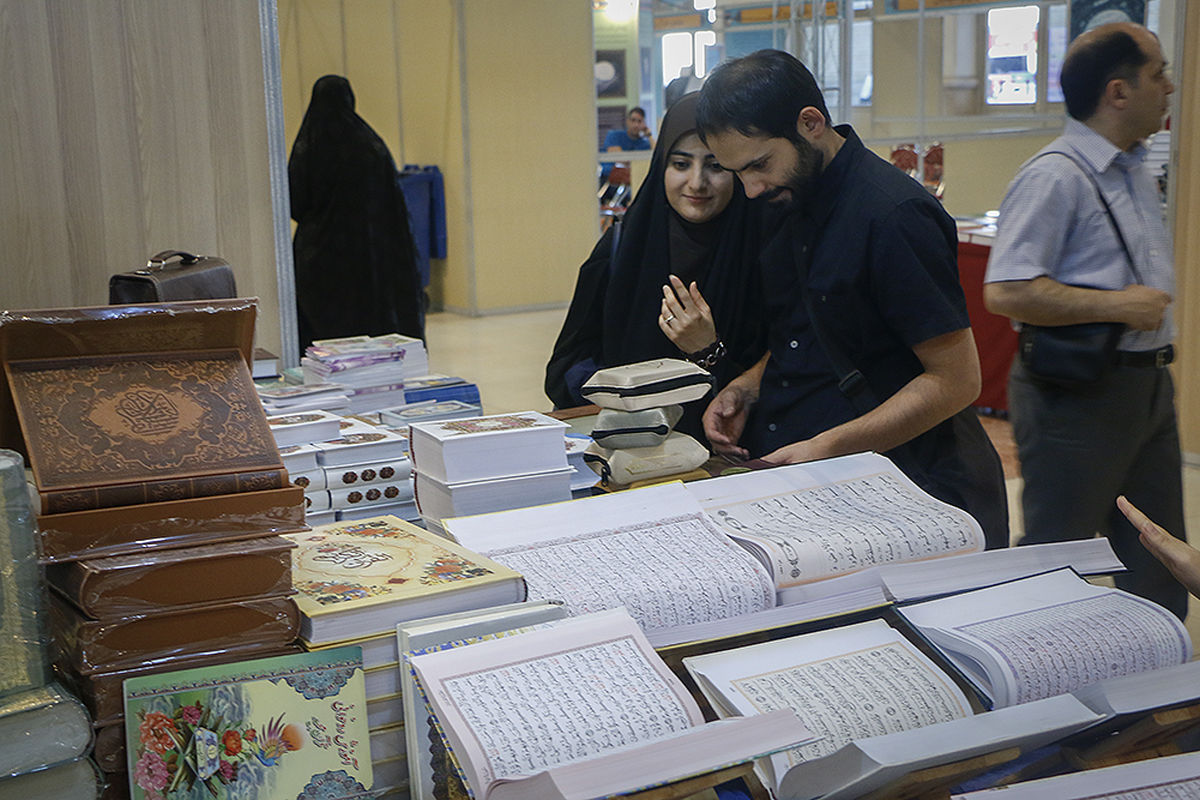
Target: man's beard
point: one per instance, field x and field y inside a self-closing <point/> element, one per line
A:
<point x="803" y="177"/>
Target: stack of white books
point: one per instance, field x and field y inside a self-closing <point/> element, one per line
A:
<point x="371" y="368"/>
<point x="364" y="471"/>
<point x="582" y="476"/>
<point x="493" y="463"/>
<point x="285" y="398"/>
<point x="304" y="427"/>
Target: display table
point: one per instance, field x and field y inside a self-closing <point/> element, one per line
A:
<point x="994" y="335"/>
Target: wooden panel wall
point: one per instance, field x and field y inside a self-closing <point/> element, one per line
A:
<point x="129" y="128"/>
<point x="1187" y="235"/>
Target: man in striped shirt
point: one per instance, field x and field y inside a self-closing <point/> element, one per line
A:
<point x="1081" y="239"/>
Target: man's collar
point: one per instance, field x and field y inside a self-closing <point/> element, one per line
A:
<point x="1095" y="148"/>
<point x="828" y="185"/>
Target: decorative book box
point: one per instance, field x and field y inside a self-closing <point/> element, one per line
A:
<point x="141" y="407"/>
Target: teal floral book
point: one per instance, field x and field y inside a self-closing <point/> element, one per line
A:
<point x="278" y="728"/>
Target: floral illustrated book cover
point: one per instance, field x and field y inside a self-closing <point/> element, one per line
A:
<point x="347" y="566"/>
<point x="278" y="728"/>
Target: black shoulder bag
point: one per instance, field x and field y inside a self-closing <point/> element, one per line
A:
<point x="1074" y="355"/>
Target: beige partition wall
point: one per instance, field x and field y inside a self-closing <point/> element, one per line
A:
<point x="131" y="127"/>
<point x="500" y="97"/>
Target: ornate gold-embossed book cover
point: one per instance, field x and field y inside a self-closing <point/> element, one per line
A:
<point x="118" y="430"/>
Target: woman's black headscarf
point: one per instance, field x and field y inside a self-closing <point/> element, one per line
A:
<point x="720" y="255"/>
<point x="355" y="258"/>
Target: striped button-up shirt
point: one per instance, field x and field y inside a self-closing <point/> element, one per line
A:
<point x="1052" y="223"/>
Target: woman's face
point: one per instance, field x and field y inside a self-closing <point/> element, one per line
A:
<point x="697" y="188"/>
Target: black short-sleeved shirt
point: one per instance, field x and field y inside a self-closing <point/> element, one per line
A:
<point x="883" y="276"/>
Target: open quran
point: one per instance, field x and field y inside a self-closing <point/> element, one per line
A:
<point x="725" y="556"/>
<point x="1049" y="634"/>
<point x="582" y="708"/>
<point x="879" y="707"/>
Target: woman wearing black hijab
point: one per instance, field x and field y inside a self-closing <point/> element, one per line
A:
<point x="355" y="259"/>
<point x="682" y="282"/>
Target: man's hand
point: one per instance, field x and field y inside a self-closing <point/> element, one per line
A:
<point x="799" y="452"/>
<point x="725" y="419"/>
<point x="1143" y="308"/>
<point x="1179" y="557"/>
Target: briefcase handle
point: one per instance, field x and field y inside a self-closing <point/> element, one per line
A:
<point x="158" y="261"/>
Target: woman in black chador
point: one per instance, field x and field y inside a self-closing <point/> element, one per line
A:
<point x="681" y="282"/>
<point x="356" y="268"/>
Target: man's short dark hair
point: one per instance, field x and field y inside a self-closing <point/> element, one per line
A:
<point x="762" y="93"/>
<point x="637" y="110"/>
<point x="1089" y="67"/>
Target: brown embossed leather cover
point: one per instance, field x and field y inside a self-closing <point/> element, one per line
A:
<point x="120" y="586"/>
<point x="102" y="692"/>
<point x="124" y="429"/>
<point x="178" y="523"/>
<point x="90" y="646"/>
<point x="109" y="330"/>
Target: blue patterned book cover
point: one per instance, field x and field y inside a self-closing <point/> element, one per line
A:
<point x="270" y="729"/>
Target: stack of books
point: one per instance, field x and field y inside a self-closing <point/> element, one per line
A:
<point x="440" y="387"/>
<point x="159" y="491"/>
<point x="356" y="581"/>
<point x="364" y="472"/>
<point x="481" y="464"/>
<point x="372" y="368"/>
<point x="117" y="617"/>
<point x="582" y="476"/>
<point x="290" y="398"/>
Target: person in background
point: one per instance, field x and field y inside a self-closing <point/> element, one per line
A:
<point x="680" y="282"/>
<point x="634" y="136"/>
<point x="1061" y="258"/>
<point x="355" y="257"/>
<point x="866" y="252"/>
<point x="1180" y="558"/>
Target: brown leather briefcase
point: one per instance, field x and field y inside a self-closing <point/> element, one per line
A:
<point x="173" y="275"/>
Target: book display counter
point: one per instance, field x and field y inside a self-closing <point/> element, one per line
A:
<point x="199" y="602"/>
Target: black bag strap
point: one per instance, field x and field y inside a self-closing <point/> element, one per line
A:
<point x="851" y="382"/>
<point x="1103" y="201"/>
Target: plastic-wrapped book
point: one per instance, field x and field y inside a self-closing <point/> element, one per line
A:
<point x="22" y="666"/>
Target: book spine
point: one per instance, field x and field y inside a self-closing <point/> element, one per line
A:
<point x="66" y="500"/>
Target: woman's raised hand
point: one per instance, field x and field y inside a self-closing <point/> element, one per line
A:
<point x="686" y="318"/>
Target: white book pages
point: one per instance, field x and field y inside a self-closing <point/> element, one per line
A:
<point x="868" y="765"/>
<point x="825" y="518"/>
<point x="1143" y="691"/>
<point x="1049" y="634"/>
<point x="1170" y="778"/>
<point x="451" y="630"/>
<point x="845" y="683"/>
<point x="650" y="550"/>
<point x="959" y="573"/>
<point x="513" y="707"/>
<point x="696" y="751"/>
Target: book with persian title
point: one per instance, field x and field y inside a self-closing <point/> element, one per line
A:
<point x="289" y="726"/>
<point x="360" y="578"/>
